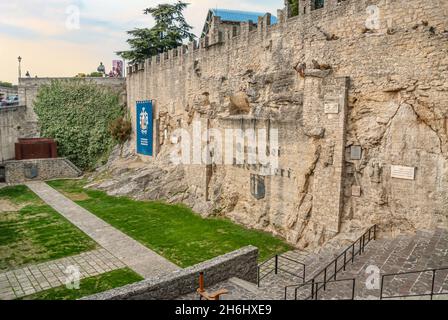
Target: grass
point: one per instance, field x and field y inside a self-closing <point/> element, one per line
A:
<point x="173" y="231"/>
<point x="89" y="286"/>
<point x="32" y="232"/>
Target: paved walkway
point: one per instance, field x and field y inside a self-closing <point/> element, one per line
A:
<point x="136" y="256"/>
<point x="35" y="278"/>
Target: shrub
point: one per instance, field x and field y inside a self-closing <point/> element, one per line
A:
<point x="120" y="129"/>
<point x="77" y="114"/>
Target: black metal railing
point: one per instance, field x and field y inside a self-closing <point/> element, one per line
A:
<point x="313" y="286"/>
<point x="329" y="273"/>
<point x="279" y="264"/>
<point x="430" y="294"/>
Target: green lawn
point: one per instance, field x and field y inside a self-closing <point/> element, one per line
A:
<point x="89" y="286"/>
<point x="173" y="231"/>
<point x="31" y="231"/>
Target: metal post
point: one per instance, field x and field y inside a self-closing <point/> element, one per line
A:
<point x="353" y="252"/>
<point x="433" y="281"/>
<point x="381" y="289"/>
<point x="304" y="273"/>
<point x="353" y="289"/>
<point x="363" y="242"/>
<point x="345" y="258"/>
<point x="276" y="264"/>
<point x="325" y="278"/>
<point x="335" y="268"/>
<point x="360" y="246"/>
<point x="201" y="282"/>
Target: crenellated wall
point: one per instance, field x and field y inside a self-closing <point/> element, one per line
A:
<point x="355" y="91"/>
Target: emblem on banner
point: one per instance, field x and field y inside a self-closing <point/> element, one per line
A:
<point x="144" y="121"/>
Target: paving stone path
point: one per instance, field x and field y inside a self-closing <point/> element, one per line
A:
<point x="133" y="254"/>
<point x="39" y="277"/>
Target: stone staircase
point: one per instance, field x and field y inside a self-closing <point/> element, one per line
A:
<point x="421" y="251"/>
<point x="407" y="253"/>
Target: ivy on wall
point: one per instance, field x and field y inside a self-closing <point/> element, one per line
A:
<point x="78" y="114"/>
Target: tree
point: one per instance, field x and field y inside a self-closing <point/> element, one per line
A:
<point x="6" y="84"/>
<point x="294" y="6"/>
<point x="170" y="31"/>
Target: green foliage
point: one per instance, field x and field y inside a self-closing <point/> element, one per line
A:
<point x="34" y="232"/>
<point x="121" y="129"/>
<point x="6" y="84"/>
<point x="170" y="30"/>
<point x="294" y="5"/>
<point x="77" y="114"/>
<point x="95" y="74"/>
<point x="88" y="286"/>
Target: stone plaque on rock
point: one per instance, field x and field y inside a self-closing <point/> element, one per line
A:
<point x="356" y="191"/>
<point x="402" y="172"/>
<point x="331" y="107"/>
<point x="355" y="152"/>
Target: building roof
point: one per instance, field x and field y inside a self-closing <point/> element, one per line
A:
<point x="240" y="16"/>
<point x="234" y="16"/>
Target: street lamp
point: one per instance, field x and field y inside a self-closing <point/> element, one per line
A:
<point x="20" y="67"/>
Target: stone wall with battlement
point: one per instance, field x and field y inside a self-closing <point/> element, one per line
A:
<point x="356" y="88"/>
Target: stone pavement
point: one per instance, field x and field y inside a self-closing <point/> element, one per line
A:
<point x="35" y="278"/>
<point x="133" y="254"/>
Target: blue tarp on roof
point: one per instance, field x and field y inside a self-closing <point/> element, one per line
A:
<point x="240" y="16"/>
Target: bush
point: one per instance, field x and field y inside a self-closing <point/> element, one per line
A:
<point x="78" y="114"/>
<point x="120" y="129"/>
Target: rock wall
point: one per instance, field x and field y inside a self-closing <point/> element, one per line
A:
<point x="359" y="96"/>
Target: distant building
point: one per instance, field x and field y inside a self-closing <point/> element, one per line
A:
<point x="229" y="20"/>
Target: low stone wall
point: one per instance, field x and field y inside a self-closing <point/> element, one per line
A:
<point x="18" y="171"/>
<point x="241" y="263"/>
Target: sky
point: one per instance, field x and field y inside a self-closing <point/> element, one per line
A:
<point x="61" y="38"/>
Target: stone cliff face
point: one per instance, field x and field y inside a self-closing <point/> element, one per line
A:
<point x="361" y="116"/>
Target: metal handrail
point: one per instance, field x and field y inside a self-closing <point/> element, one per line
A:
<point x="432" y="294"/>
<point x="278" y="268"/>
<point x="363" y="241"/>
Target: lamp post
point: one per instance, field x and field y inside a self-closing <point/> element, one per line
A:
<point x="20" y="66"/>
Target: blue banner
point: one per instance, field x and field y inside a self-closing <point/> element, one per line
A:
<point x="144" y="128"/>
